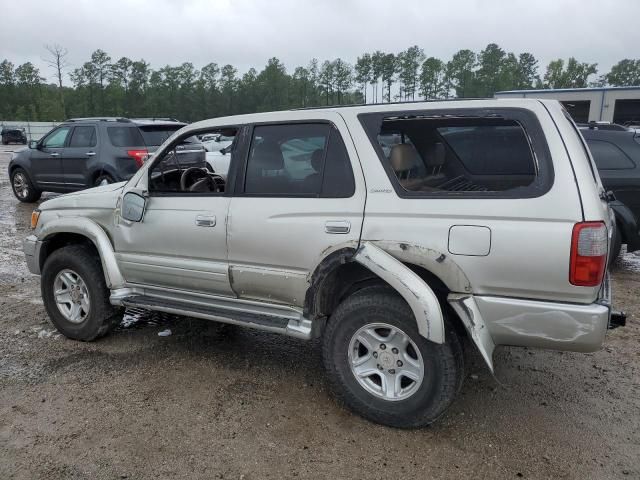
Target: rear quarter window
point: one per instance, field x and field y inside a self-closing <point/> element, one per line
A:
<point x="125" y="136"/>
<point x="609" y="156"/>
<point x="462" y="152"/>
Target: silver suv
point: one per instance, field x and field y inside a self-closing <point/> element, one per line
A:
<point x="397" y="233"/>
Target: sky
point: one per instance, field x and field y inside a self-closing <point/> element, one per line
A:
<point x="245" y="33"/>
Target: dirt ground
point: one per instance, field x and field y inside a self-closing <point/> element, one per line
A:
<point x="231" y="403"/>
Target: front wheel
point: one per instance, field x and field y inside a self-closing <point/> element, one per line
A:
<point x="75" y="294"/>
<point x="382" y="368"/>
<point x="22" y="187"/>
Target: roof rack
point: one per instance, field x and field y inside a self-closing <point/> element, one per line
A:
<point x="156" y="119"/>
<point x="408" y="102"/>
<point x="98" y="119"/>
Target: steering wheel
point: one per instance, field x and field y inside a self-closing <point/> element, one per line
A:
<point x="196" y="179"/>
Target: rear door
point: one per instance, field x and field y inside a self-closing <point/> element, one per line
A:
<point x="301" y="197"/>
<point x="46" y="160"/>
<point x="81" y="149"/>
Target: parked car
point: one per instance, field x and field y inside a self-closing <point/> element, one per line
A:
<point x="13" y="135"/>
<point x="616" y="152"/>
<point x="85" y="152"/>
<point x="483" y="223"/>
<point x="217" y="143"/>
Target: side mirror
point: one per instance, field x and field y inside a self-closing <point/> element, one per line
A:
<point x="133" y="207"/>
<point x="33" y="144"/>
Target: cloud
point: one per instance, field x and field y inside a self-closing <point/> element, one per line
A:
<point x="246" y="33"/>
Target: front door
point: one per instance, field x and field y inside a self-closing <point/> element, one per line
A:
<point x="303" y="197"/>
<point x="46" y="160"/>
<point x="181" y="241"/>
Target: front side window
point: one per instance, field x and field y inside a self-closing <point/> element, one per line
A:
<point x="454" y="154"/>
<point x="83" y="137"/>
<point x="298" y="160"/>
<point x="188" y="168"/>
<point x="57" y="138"/>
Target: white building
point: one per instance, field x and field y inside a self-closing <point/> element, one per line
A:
<point x="609" y="104"/>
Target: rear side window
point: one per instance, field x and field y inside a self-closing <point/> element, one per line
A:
<point x="609" y="156"/>
<point x="305" y="160"/>
<point x="83" y="137"/>
<point x="155" y="135"/>
<point x="125" y="137"/>
<point x="462" y="152"/>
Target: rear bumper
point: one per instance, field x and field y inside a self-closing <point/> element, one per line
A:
<point x="551" y="325"/>
<point x="31" y="248"/>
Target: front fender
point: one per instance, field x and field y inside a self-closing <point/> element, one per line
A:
<point x="420" y="297"/>
<point x="91" y="230"/>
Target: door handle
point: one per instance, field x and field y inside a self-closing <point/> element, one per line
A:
<point x="205" y="221"/>
<point x="54" y="154"/>
<point x="90" y="154"/>
<point x="337" y="226"/>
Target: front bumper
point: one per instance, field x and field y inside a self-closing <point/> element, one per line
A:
<point x="551" y="325"/>
<point x="31" y="248"/>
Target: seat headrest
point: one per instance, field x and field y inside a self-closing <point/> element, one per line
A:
<point x="316" y="159"/>
<point x="404" y="157"/>
<point x="435" y="155"/>
<point x="267" y="156"/>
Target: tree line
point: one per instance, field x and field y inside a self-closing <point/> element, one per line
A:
<point x="126" y="87"/>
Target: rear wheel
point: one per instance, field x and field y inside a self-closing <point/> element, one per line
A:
<point x="104" y="179"/>
<point x="75" y="294"/>
<point x="616" y="245"/>
<point x="22" y="187"/>
<point x="382" y="368"/>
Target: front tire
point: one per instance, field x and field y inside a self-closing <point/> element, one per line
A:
<point x="75" y="294"/>
<point x="23" y="188"/>
<point x="382" y="368"/>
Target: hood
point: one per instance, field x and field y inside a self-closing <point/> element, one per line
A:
<point x="104" y="196"/>
<point x="20" y="151"/>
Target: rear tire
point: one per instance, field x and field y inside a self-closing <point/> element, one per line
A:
<point x="23" y="188"/>
<point x="616" y="245"/>
<point x="104" y="179"/>
<point x="412" y="403"/>
<point x="64" y="270"/>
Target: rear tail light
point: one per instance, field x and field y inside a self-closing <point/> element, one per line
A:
<point x="139" y="156"/>
<point x="588" y="254"/>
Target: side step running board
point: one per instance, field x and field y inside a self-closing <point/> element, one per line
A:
<point x="298" y="327"/>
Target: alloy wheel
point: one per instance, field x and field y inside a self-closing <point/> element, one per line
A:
<point x="386" y="362"/>
<point x="72" y="296"/>
<point x="20" y="185"/>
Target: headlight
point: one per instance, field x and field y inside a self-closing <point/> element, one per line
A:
<point x="35" y="215"/>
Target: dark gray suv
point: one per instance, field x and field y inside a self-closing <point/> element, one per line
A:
<point x="86" y="152"/>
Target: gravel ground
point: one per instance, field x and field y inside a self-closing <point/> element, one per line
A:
<point x="207" y="402"/>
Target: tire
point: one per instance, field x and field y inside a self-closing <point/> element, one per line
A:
<point x="102" y="178"/>
<point x="443" y="365"/>
<point x="616" y="245"/>
<point x="23" y="188"/>
<point x="99" y="315"/>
